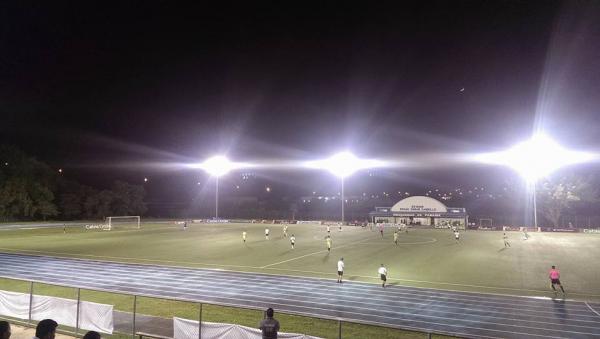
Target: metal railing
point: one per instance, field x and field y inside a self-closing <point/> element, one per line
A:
<point x="134" y="328"/>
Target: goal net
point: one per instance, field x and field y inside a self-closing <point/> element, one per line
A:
<point x="486" y="223"/>
<point x="123" y="222"/>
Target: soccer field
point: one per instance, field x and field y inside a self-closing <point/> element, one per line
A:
<point x="422" y="258"/>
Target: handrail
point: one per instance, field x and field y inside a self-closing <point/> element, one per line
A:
<point x="242" y="306"/>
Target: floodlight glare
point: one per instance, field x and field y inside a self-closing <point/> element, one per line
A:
<point x="217" y="166"/>
<point x="343" y="164"/>
<point x="536" y="158"/>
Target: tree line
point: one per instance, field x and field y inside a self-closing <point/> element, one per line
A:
<point x="31" y="190"/>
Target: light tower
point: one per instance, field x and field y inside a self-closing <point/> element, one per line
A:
<point x="534" y="159"/>
<point x="217" y="166"/>
<point x="343" y="165"/>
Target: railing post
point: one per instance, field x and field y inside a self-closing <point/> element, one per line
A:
<point x="429" y="335"/>
<point x="134" y="312"/>
<point x="200" y="322"/>
<point x="339" y="329"/>
<point x="77" y="316"/>
<point x="30" y="301"/>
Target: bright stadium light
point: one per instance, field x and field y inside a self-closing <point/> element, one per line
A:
<point x="217" y="166"/>
<point x="343" y="165"/>
<point x="536" y="158"/>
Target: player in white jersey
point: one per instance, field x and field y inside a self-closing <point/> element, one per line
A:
<point x="267" y="233"/>
<point x="505" y="238"/>
<point x="457" y="236"/>
<point x="383" y="275"/>
<point x="293" y="241"/>
<point x="340" y="267"/>
<point x="244" y="236"/>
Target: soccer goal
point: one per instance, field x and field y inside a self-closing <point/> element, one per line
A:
<point x="486" y="223"/>
<point x="122" y="222"/>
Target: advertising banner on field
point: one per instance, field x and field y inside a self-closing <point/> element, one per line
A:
<point x="591" y="230"/>
<point x="567" y="230"/>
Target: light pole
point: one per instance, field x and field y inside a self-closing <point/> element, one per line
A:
<point x="217" y="166"/>
<point x="534" y="159"/>
<point x="343" y="165"/>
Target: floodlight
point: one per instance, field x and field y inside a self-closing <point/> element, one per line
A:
<point x="536" y="157"/>
<point x="217" y="166"/>
<point x="343" y="164"/>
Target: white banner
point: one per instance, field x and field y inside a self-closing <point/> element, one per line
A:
<point x="188" y="329"/>
<point x="92" y="316"/>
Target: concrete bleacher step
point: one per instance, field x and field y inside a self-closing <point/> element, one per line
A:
<point x="146" y="324"/>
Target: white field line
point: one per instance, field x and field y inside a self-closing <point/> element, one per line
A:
<point x="71" y="256"/>
<point x="329" y="301"/>
<point x="591" y="309"/>
<point x="309" y="254"/>
<point x="402" y="243"/>
<point x="328" y="307"/>
<point x="371" y="301"/>
<point x="215" y="280"/>
<point x="243" y="276"/>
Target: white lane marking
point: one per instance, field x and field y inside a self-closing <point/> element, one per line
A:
<point x="127" y="276"/>
<point x="69" y="256"/>
<point x="591" y="309"/>
<point x="328" y="307"/>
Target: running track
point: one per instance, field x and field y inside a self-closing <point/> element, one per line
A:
<point x="463" y="314"/>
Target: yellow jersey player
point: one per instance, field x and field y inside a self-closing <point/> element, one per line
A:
<point x="396" y="237"/>
<point x="328" y="239"/>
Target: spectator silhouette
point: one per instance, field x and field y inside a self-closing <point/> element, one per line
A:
<point x="46" y="329"/>
<point x="4" y="330"/>
<point x="92" y="335"/>
<point x="269" y="326"/>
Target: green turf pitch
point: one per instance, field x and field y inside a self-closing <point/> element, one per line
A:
<point x="423" y="257"/>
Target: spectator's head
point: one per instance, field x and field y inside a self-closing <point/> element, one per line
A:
<point x="46" y="329"/>
<point x="270" y="312"/>
<point x="92" y="335"/>
<point x="4" y="330"/>
<point x="553" y="267"/>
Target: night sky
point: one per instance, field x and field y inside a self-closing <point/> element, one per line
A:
<point x="102" y="90"/>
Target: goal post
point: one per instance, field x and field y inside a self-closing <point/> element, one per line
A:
<point x="486" y="222"/>
<point x="129" y="221"/>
